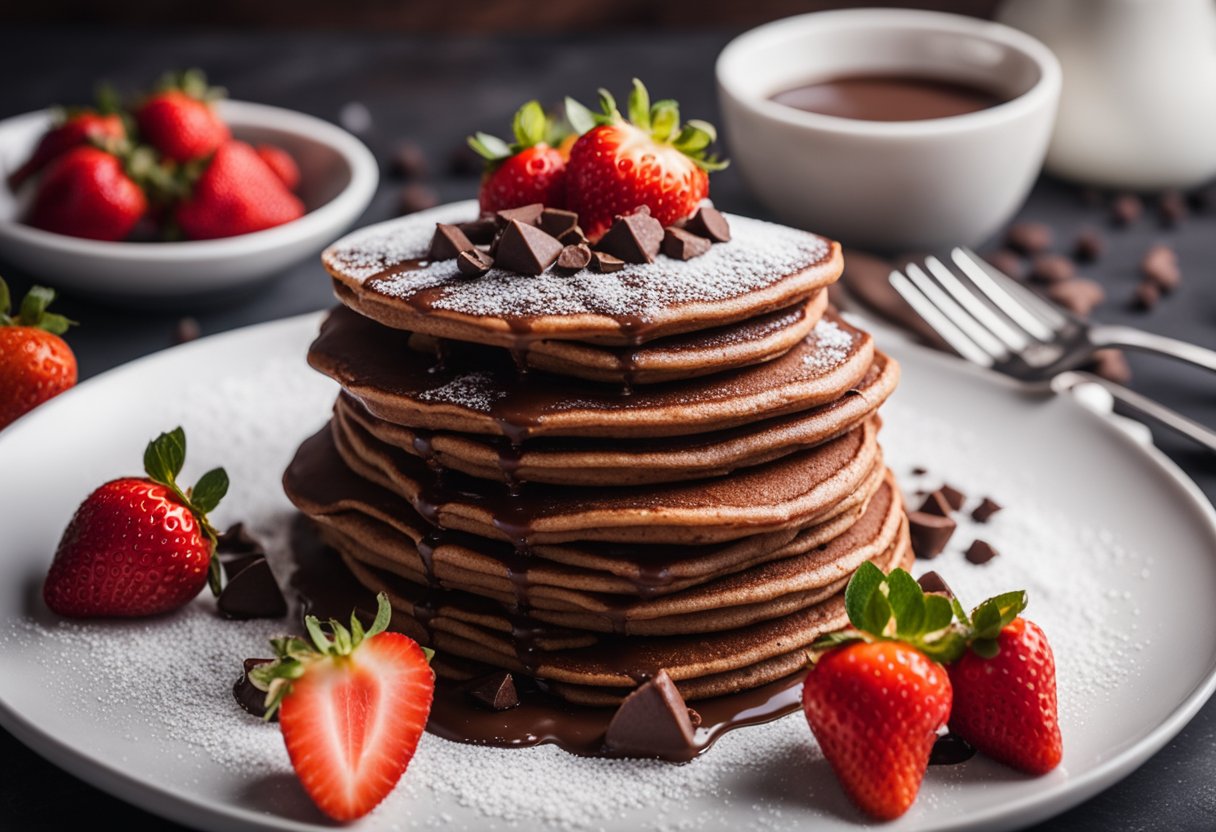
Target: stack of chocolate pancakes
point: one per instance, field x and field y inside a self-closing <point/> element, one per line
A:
<point x="585" y="478"/>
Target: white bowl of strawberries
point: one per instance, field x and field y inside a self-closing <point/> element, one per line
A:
<point x="139" y="224"/>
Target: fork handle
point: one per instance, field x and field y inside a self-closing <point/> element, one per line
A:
<point x="1138" y="339"/>
<point x="1145" y="408"/>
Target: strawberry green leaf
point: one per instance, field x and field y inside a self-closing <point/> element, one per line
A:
<point x="313" y="625"/>
<point x="877" y="614"/>
<point x="384" y="614"/>
<point x="639" y="105"/>
<point x="862" y="585"/>
<point x="165" y="456"/>
<point x="703" y="128"/>
<point x="946" y="648"/>
<point x="357" y="632"/>
<point x="938" y="613"/>
<point x="6" y="303"/>
<point x="664" y="120"/>
<point x="907" y="601"/>
<point x="986" y="647"/>
<point x="836" y="639"/>
<point x="490" y="148"/>
<point x="712" y="164"/>
<point x="1010" y="604"/>
<point x="428" y="652"/>
<point x="961" y="613"/>
<point x="580" y="117"/>
<point x="608" y="105"/>
<point x="35" y="303"/>
<point x="529" y="126"/>
<point x="210" y="489"/>
<point x="215" y="575"/>
<point x="343" y="641"/>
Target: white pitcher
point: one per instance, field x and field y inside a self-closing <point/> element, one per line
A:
<point x="1138" y="107"/>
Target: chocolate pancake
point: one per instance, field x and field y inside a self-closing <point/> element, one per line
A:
<point x="798" y="489"/>
<point x="572" y="461"/>
<point x="381" y="271"/>
<point x="485" y="395"/>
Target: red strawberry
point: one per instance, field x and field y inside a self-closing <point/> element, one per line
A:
<point x="78" y="128"/>
<point x="237" y="193"/>
<point x="35" y="363"/>
<point x="139" y="546"/>
<point x="281" y="162"/>
<point x="1005" y="697"/>
<point x="617" y="166"/>
<point x="352" y="706"/>
<point x="179" y="119"/>
<point x="526" y="172"/>
<point x="89" y="192"/>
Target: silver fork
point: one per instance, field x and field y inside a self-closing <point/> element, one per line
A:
<point x="992" y="320"/>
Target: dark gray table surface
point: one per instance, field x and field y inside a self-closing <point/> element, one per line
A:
<point x="435" y="90"/>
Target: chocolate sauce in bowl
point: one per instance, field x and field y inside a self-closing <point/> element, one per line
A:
<point x="889" y="98"/>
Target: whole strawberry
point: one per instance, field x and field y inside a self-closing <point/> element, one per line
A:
<point x="179" y="119"/>
<point x="35" y="363"/>
<point x="77" y="128"/>
<point x="876" y="696"/>
<point x="352" y="706"/>
<point x="282" y="163"/>
<point x="139" y="546"/>
<point x="525" y="172"/>
<point x="1005" y="692"/>
<point x="236" y="193"/>
<point x="89" y="192"/>
<point x="617" y="166"/>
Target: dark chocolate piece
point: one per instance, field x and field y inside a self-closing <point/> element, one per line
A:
<point x="683" y="245"/>
<point x="981" y="551"/>
<point x="1171" y="208"/>
<point x="1160" y="265"/>
<point x="1007" y="261"/>
<point x="984" y="511"/>
<point x="474" y="262"/>
<point x="448" y="242"/>
<point x="555" y="222"/>
<point x="709" y="223"/>
<point x="919" y="471"/>
<point x="573" y="258"/>
<point x="950" y="750"/>
<point x="652" y="722"/>
<point x="1126" y="209"/>
<point x="527" y="214"/>
<point x="604" y="263"/>
<point x="1029" y="237"/>
<point x="525" y="249"/>
<point x="480" y="231"/>
<point x="496" y="691"/>
<point x="1146" y="295"/>
<point x="416" y="197"/>
<point x="252" y="700"/>
<point x="409" y="161"/>
<point x="252" y="593"/>
<point x="936" y="503"/>
<point x="573" y="237"/>
<point x="1089" y="245"/>
<point x="954" y="497"/>
<point x="234" y="565"/>
<point x="1078" y="296"/>
<point x="1052" y="268"/>
<point x="238" y="541"/>
<point x="935" y="584"/>
<point x="634" y="238"/>
<point x="929" y="533"/>
<point x="186" y="330"/>
<point x="1111" y="364"/>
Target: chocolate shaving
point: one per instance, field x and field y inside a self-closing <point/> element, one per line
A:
<point x="652" y="722"/>
<point x="935" y="584"/>
<point x="981" y="551"/>
<point x="573" y="237"/>
<point x="252" y="700"/>
<point x="920" y="471"/>
<point x="448" y="242"/>
<point x="936" y="503"/>
<point x="929" y="533"/>
<point x="474" y="262"/>
<point x="556" y="222"/>
<point x="950" y="750"/>
<point x="525" y="249"/>
<point x="634" y="238"/>
<point x="496" y="691"/>
<point x="709" y="223"/>
<point x="252" y="592"/>
<point x="604" y="263"/>
<point x="683" y="245"/>
<point x="954" y="497"/>
<point x="527" y="214"/>
<point x="575" y="257"/>
<point x="984" y="511"/>
<point x="480" y="231"/>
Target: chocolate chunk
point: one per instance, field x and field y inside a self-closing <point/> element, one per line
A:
<point x="1089" y="245"/>
<point x="1029" y="237"/>
<point x="474" y="262"/>
<point x="527" y="214"/>
<point x="1078" y="296"/>
<point x="981" y="551"/>
<point x="186" y="330"/>
<point x="1007" y="261"/>
<point x="464" y="161"/>
<point x="1146" y="295"/>
<point x="415" y="197"/>
<point x="984" y="511"/>
<point x="1160" y="265"/>
<point x="555" y="222"/>
<point x="252" y="593"/>
<point x="929" y="533"/>
<point x="409" y="161"/>
<point x="238" y="541"/>
<point x="234" y="565"/>
<point x="573" y="237"/>
<point x="651" y="722"/>
<point x="935" y="584"/>
<point x="252" y="700"/>
<point x="1111" y="364"/>
<point x="634" y="238"/>
<point x="1126" y="209"/>
<point x="525" y="249"/>
<point x="709" y="223"/>
<point x="936" y="503"/>
<point x="496" y="691"/>
<point x="448" y="242"/>
<point x="605" y="263"/>
<point x="1052" y="268"/>
<point x="919" y="471"/>
<point x="480" y="231"/>
<point x="950" y="750"/>
<point x="954" y="497"/>
<point x="573" y="258"/>
<point x="1171" y="208"/>
<point x="682" y="245"/>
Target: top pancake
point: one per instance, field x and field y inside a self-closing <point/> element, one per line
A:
<point x="381" y="272"/>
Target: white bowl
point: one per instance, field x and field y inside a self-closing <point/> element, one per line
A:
<point x="894" y="186"/>
<point x="338" y="179"/>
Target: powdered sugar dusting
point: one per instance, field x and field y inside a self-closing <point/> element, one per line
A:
<point x="758" y="255"/>
<point x="475" y="391"/>
<point x="832" y="346"/>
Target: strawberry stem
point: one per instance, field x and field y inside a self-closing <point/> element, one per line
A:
<point x="33" y="310"/>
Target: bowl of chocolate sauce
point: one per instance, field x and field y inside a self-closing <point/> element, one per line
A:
<point x="889" y="129"/>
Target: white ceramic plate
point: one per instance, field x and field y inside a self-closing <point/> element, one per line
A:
<point x="1113" y="542"/>
<point x="338" y="177"/>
